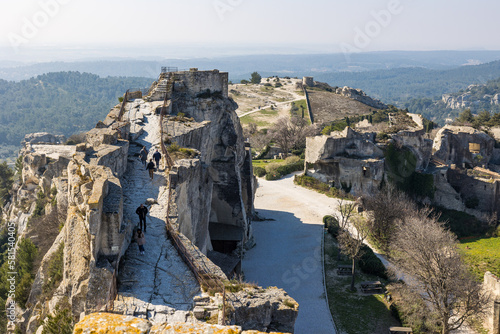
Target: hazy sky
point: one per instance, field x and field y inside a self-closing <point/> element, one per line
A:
<point x="163" y="28"/>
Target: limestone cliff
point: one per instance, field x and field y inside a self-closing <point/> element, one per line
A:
<point x="203" y="201"/>
<point x="463" y="145"/>
<point x="475" y="96"/>
<point x="354" y="160"/>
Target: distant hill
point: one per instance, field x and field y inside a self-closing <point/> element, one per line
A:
<point x="240" y="67"/>
<point x="477" y="98"/>
<point x="399" y="85"/>
<point x="60" y="103"/>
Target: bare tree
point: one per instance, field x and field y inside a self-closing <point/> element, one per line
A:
<point x="291" y="132"/>
<point x="387" y="208"/>
<point x="344" y="213"/>
<point x="427" y="253"/>
<point x="258" y="138"/>
<point x="352" y="241"/>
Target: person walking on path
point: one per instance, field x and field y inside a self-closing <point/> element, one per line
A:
<point x="151" y="168"/>
<point x="157" y="157"/>
<point x="142" y="211"/>
<point x="144" y="155"/>
<point x="140" y="239"/>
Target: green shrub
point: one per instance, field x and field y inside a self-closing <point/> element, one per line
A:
<point x="39" y="206"/>
<point x="332" y="225"/>
<point x="259" y="171"/>
<point x="272" y="167"/>
<point x="293" y="167"/>
<point x="311" y="182"/>
<point x="60" y="323"/>
<point x="273" y="176"/>
<point x="26" y="255"/>
<point x="263" y="153"/>
<point x="371" y="264"/>
<point x="291" y="159"/>
<point x="54" y="272"/>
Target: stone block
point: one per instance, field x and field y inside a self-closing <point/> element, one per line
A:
<point x="199" y="312"/>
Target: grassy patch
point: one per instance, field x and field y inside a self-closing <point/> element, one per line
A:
<point x="296" y="110"/>
<point x="249" y="119"/>
<point x="267" y="89"/>
<point x="268" y="111"/>
<point x="354" y="312"/>
<point x="177" y="152"/>
<point x="275" y="169"/>
<point x="482" y="254"/>
<point x="263" y="163"/>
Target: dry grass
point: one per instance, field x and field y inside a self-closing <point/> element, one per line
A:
<point x="327" y="106"/>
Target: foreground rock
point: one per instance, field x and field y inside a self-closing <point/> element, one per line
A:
<point x="107" y="323"/>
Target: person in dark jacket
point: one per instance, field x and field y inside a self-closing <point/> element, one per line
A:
<point x="144" y="155"/>
<point x="142" y="211"/>
<point x="157" y="157"/>
<point x="140" y="239"/>
<point x="151" y="168"/>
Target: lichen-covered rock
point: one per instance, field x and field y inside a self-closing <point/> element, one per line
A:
<point x="109" y="323"/>
<point x="197" y="328"/>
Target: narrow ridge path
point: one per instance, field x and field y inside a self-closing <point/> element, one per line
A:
<point x="157" y="285"/>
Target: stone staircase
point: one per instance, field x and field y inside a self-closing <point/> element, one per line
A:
<point x="163" y="87"/>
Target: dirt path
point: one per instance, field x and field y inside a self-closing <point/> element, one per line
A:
<point x="157" y="285"/>
<point x="268" y="106"/>
<point x="288" y="251"/>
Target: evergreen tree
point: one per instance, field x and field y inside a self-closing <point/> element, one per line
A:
<point x="255" y="79"/>
<point x="6" y="180"/>
<point x="465" y="117"/>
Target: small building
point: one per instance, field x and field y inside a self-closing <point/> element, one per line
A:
<point x="308" y="81"/>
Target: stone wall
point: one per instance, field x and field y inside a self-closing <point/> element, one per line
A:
<point x="197" y="82"/>
<point x="445" y="195"/>
<point x="452" y="145"/>
<point x="485" y="190"/>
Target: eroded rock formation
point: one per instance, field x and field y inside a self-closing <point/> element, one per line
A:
<point x="209" y="190"/>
